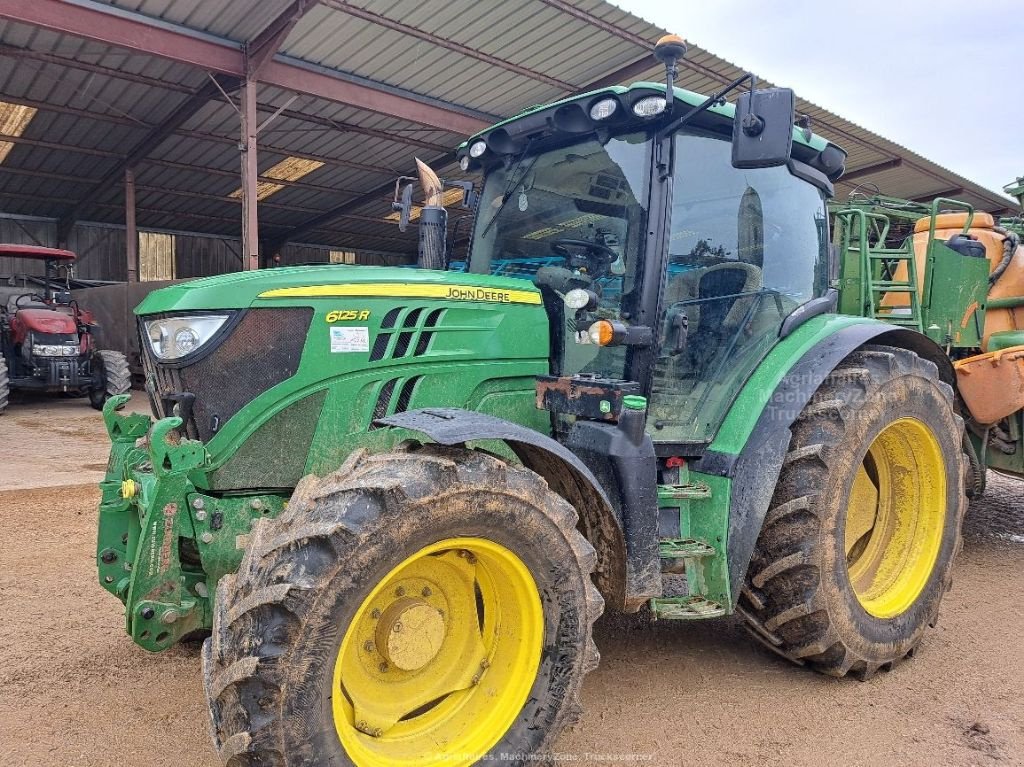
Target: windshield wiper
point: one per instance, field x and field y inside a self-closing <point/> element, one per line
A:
<point x="512" y="188"/>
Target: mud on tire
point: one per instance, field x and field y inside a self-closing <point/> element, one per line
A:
<point x="798" y="597"/>
<point x="279" y="622"/>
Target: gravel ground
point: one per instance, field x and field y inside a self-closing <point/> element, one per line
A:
<point x="74" y="691"/>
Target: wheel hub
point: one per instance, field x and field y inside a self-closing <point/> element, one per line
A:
<point x="410" y="633"/>
<point x="439" y="659"/>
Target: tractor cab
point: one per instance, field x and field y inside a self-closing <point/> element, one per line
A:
<point x="670" y="253"/>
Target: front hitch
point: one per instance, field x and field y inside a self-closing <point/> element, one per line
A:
<point x="143" y="515"/>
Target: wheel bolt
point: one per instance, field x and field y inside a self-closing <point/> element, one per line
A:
<point x="426" y="591"/>
<point x="397" y="628"/>
<point x="368" y="646"/>
<point x="400" y="592"/>
<point x="375" y="613"/>
<point x="383" y="668"/>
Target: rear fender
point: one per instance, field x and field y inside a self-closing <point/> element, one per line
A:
<point x="564" y="472"/>
<point x="754" y="470"/>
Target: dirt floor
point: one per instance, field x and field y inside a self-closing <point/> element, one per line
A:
<point x="74" y="691"/>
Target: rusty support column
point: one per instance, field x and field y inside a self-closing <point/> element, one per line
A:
<point x="250" y="177"/>
<point x="131" y="233"/>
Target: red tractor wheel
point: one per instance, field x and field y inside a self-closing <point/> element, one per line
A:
<point x="110" y="376"/>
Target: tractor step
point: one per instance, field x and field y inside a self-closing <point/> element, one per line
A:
<point x="691" y="491"/>
<point x="684" y="548"/>
<point x="685" y="608"/>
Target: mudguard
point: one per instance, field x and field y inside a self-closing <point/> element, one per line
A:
<point x="564" y="472"/>
<point x="755" y="471"/>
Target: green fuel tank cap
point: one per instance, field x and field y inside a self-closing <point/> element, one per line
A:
<point x="634" y="402"/>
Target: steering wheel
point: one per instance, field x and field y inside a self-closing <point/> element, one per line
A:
<point x="602" y="255"/>
<point x="31" y="296"/>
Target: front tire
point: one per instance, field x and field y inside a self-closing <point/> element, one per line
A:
<point x="858" y="543"/>
<point x="481" y="569"/>
<point x="110" y="375"/>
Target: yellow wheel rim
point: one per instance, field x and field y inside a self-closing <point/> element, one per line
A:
<point x="895" y="518"/>
<point x="440" y="657"/>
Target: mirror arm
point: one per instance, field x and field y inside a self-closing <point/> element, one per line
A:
<point x="710" y="101"/>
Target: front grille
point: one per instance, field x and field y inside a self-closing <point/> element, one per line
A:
<point x="262" y="350"/>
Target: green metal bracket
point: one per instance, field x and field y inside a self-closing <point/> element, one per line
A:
<point x="171" y="453"/>
<point x="124" y="428"/>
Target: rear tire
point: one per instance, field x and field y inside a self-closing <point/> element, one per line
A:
<point x="279" y="668"/>
<point x="5" y="387"/>
<point x="111" y="376"/>
<point x="865" y="497"/>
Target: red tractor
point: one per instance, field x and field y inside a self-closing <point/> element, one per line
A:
<point x="46" y="339"/>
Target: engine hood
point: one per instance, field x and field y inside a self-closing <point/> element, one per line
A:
<point x="241" y="290"/>
<point x="46" y="321"/>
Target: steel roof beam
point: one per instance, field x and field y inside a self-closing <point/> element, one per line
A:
<point x="267" y="43"/>
<point x="153" y="82"/>
<point x="133" y="31"/>
<point x="442" y="42"/>
<point x="156" y="136"/>
<point x="626" y="74"/>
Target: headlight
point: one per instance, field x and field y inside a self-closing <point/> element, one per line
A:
<point x="477" y="148"/>
<point x="54" y="350"/>
<point x="603" y="109"/>
<point x="174" y="337"/>
<point x="464" y="162"/>
<point x="649" y="106"/>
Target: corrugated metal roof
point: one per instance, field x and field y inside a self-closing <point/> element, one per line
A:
<point x="95" y="102"/>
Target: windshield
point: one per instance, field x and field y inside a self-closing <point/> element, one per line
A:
<point x="568" y="218"/>
<point x="746" y="247"/>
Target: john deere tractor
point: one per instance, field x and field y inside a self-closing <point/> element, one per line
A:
<point x="398" y="499"/>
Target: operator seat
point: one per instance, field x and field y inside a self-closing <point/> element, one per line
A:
<point x="711" y="323"/>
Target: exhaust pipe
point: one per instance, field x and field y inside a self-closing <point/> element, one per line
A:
<point x="433" y="221"/>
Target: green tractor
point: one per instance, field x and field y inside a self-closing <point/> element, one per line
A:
<point x="398" y="499"/>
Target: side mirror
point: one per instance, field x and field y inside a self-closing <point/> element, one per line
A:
<point x="762" y="132"/>
<point x="402" y="204"/>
